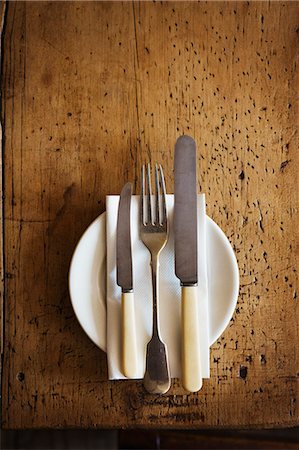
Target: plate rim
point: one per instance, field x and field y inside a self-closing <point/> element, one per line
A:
<point x="230" y="311"/>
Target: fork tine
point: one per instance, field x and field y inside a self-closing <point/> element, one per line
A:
<point x="164" y="213"/>
<point x="149" y="195"/>
<point x="142" y="195"/>
<point x="157" y="196"/>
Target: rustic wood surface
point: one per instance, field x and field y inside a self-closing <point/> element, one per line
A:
<point x="2" y="16"/>
<point x="90" y="91"/>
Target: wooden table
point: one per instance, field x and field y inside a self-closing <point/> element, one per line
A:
<point x="90" y="91"/>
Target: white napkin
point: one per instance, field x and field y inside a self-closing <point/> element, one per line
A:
<point x="170" y="293"/>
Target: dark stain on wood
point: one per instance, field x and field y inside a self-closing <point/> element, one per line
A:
<point x="243" y="372"/>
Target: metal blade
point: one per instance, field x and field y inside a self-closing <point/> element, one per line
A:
<point x="185" y="211"/>
<point x="124" y="273"/>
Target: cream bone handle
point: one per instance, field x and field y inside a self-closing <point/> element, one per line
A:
<point x="129" y="347"/>
<point x="191" y="365"/>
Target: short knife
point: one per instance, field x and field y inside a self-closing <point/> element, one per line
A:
<point x="185" y="247"/>
<point x="124" y="274"/>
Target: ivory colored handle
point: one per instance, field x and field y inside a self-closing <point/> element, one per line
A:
<point x="129" y="347"/>
<point x="191" y="367"/>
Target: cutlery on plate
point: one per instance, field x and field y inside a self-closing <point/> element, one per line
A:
<point x="153" y="229"/>
<point x="185" y="247"/>
<point x="125" y="281"/>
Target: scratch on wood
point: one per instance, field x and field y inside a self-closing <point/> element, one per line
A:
<point x="136" y="77"/>
<point x="261" y="217"/>
<point x="136" y="68"/>
<point x="66" y="198"/>
<point x="284" y="164"/>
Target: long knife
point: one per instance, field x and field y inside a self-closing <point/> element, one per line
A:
<point x="185" y="235"/>
<point x="124" y="277"/>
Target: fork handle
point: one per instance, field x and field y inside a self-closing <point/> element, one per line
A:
<point x="191" y="364"/>
<point x="129" y="347"/>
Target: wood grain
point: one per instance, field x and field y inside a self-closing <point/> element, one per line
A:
<point x="2" y="17"/>
<point x="90" y="91"/>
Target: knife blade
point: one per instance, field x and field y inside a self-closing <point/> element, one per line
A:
<point x="185" y="248"/>
<point x="124" y="278"/>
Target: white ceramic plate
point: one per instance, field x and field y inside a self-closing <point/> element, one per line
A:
<point x="87" y="281"/>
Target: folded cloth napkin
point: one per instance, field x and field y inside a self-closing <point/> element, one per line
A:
<point x="169" y="290"/>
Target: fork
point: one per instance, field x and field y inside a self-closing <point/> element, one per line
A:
<point x="154" y="234"/>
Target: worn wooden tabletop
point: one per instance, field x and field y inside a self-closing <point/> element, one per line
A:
<point x="90" y="91"/>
